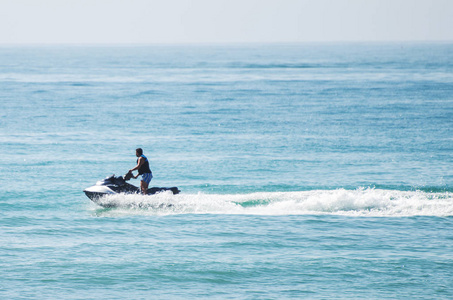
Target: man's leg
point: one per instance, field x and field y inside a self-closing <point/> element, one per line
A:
<point x="146" y="178"/>
<point x="143" y="187"/>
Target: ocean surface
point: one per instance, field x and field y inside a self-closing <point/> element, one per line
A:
<point x="307" y="171"/>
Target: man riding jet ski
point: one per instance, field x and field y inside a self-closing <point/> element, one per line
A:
<point x="143" y="169"/>
<point x="118" y="185"/>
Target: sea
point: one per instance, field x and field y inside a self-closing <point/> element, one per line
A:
<point x="307" y="171"/>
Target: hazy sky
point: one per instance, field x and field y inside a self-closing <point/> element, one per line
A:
<point x="223" y="21"/>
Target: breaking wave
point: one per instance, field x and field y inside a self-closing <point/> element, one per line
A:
<point x="359" y="202"/>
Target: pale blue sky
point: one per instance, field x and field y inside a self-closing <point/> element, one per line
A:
<point x="223" y="21"/>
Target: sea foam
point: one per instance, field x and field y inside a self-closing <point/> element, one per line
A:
<point x="358" y="202"/>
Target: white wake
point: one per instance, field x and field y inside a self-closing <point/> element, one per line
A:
<point x="359" y="202"/>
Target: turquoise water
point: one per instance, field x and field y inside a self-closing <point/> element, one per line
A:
<point x="306" y="171"/>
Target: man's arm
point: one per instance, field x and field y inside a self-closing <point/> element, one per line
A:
<point x="141" y="160"/>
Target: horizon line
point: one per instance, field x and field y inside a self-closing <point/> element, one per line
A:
<point x="238" y="43"/>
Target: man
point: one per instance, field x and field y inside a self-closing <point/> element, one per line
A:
<point x="143" y="169"/>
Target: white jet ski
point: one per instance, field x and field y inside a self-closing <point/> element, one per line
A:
<point x="117" y="185"/>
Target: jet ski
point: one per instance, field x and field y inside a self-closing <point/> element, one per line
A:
<point x="112" y="185"/>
